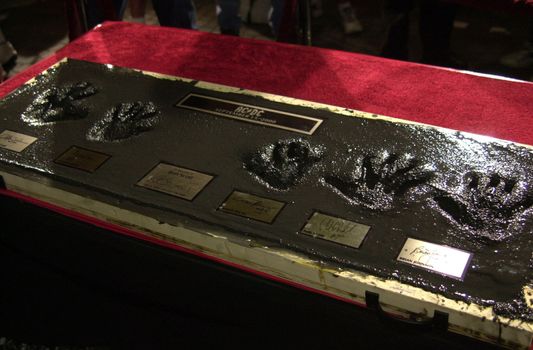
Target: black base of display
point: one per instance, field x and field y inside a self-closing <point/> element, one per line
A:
<point x="65" y="282"/>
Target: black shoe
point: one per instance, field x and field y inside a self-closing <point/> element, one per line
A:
<point x="8" y="56"/>
<point x="448" y="61"/>
<point x="233" y="32"/>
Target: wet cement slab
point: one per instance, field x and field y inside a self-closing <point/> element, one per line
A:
<point x="263" y="170"/>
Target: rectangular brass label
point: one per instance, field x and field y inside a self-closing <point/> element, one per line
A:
<point x="253" y="207"/>
<point x="336" y="230"/>
<point x="83" y="159"/>
<point x="442" y="259"/>
<point x="175" y="181"/>
<point x="14" y="141"/>
<point x="252" y="114"/>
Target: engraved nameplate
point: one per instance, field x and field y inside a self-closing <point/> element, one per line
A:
<point x="252" y="114"/>
<point x="83" y="159"/>
<point x="253" y="207"/>
<point x="336" y="230"/>
<point x="14" y="141"/>
<point x="175" y="181"/>
<point x="442" y="259"/>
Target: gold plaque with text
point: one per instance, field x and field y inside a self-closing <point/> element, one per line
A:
<point x="336" y="230"/>
<point x="175" y="181"/>
<point x="14" y="141"/>
<point x="251" y="206"/>
<point x="83" y="159"/>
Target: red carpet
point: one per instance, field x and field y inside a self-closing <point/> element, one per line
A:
<point x="498" y="108"/>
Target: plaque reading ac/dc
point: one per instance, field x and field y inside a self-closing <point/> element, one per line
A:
<point x="251" y="206"/>
<point x="252" y="114"/>
<point x="336" y="230"/>
<point x="442" y="259"/>
<point x="175" y="181"/>
<point x="14" y="141"/>
<point x="83" y="159"/>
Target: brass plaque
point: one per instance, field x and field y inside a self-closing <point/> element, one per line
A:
<point x="253" y="207"/>
<point x="83" y="159"/>
<point x="175" y="181"/>
<point x="336" y="230"/>
<point x="442" y="259"/>
<point x="251" y="113"/>
<point x="14" y="141"/>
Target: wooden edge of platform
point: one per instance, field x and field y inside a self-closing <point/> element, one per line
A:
<point x="287" y="267"/>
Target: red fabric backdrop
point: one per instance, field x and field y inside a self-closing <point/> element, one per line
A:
<point x="498" y="108"/>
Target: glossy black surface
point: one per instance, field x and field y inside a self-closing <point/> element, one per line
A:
<point x="403" y="180"/>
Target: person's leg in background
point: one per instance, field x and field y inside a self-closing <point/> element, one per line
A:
<point x="350" y="22"/>
<point x="175" y="13"/>
<point x="120" y="7"/>
<point x="436" y="25"/>
<point x="316" y="8"/>
<point x="98" y="11"/>
<point x="276" y="15"/>
<point x="93" y="13"/>
<point x="396" y="45"/>
<point x="523" y="57"/>
<point x="8" y="55"/>
<point x="137" y="10"/>
<point x="228" y="16"/>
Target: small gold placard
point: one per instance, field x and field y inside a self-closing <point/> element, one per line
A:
<point x="253" y="207"/>
<point x="14" y="141"/>
<point x="336" y="230"/>
<point x="83" y="159"/>
<point x="442" y="259"/>
<point x="179" y="182"/>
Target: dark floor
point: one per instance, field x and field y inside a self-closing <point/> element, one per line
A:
<point x="479" y="38"/>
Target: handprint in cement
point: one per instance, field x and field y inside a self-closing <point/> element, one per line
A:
<point x="59" y="104"/>
<point x="488" y="206"/>
<point x="374" y="181"/>
<point x="124" y="121"/>
<point x="285" y="163"/>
